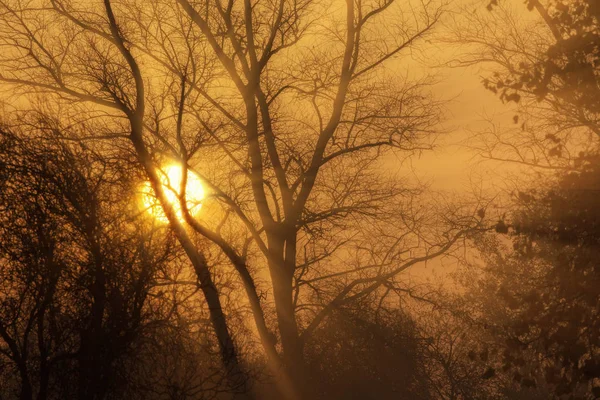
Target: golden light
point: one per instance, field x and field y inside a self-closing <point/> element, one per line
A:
<point x="171" y="182"/>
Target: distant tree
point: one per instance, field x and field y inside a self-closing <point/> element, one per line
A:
<point x="456" y="364"/>
<point x="565" y="69"/>
<point x="363" y="352"/>
<point x="75" y="272"/>
<point x="538" y="298"/>
<point x="175" y="359"/>
<point x="546" y="61"/>
<point x="536" y="301"/>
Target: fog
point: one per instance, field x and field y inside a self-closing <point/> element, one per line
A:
<point x="299" y="199"/>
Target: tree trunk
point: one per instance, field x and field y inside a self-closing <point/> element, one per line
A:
<point x="234" y="372"/>
<point x="235" y="375"/>
<point x="281" y="267"/>
<point x="26" y="391"/>
<point x="91" y="357"/>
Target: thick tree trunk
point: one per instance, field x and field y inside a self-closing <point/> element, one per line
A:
<point x="281" y="267"/>
<point x="234" y="372"/>
<point x="44" y="380"/>
<point x="91" y="355"/>
<point x="44" y="365"/>
<point x="45" y="368"/>
<point x="26" y="391"/>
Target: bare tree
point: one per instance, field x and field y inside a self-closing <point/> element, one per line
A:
<point x="287" y="111"/>
<point x="75" y="273"/>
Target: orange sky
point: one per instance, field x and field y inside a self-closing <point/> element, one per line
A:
<point x="451" y="164"/>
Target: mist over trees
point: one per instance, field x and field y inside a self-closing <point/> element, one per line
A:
<point x="536" y="301"/>
<point x="291" y="277"/>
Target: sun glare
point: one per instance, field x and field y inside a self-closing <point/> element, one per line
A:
<point x="171" y="182"/>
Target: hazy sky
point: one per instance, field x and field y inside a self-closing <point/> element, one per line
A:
<point x="469" y="108"/>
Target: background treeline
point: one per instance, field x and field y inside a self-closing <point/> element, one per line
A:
<point x="291" y="282"/>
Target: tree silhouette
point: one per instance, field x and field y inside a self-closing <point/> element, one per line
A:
<point x="76" y="273"/>
<point x="536" y="300"/>
<point x="288" y="136"/>
<point x="545" y="62"/>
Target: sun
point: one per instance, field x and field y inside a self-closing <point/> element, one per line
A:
<point x="170" y="177"/>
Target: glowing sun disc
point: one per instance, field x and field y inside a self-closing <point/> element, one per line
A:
<point x="170" y="177"/>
